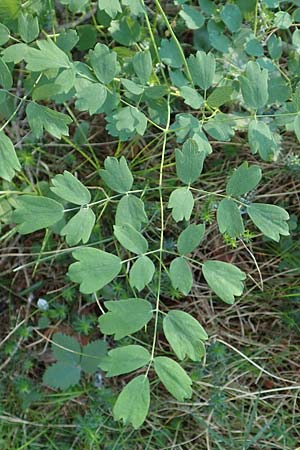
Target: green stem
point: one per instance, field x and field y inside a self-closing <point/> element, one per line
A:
<point x="186" y="67"/>
<point x="162" y="225"/>
<point x="255" y="18"/>
<point x="23" y="99"/>
<point x="154" y="43"/>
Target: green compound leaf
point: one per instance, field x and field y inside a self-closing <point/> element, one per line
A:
<point x="49" y="56"/>
<point x="9" y="9"/>
<point x="91" y="97"/>
<point x="182" y="202"/>
<point x="132" y="87"/>
<point x="4" y="34"/>
<point x="92" y="355"/>
<point x="186" y="126"/>
<point x="104" y="62"/>
<point x="232" y="17"/>
<point x="61" y="375"/>
<point x="116" y="174"/>
<point x="261" y="140"/>
<point x="28" y="27"/>
<point x="224" y="279"/>
<point x="142" y="65"/>
<point x="34" y="213"/>
<point x="66" y="348"/>
<point x="111" y="7"/>
<point x="254" y="85"/>
<point x="202" y="68"/>
<point x="220" y="96"/>
<point x="69" y="188"/>
<point x="297" y="127"/>
<point x="282" y="20"/>
<point x="46" y="91"/>
<point x="6" y="79"/>
<point x="133" y="402"/>
<point x="75" y="6"/>
<point x="189" y="162"/>
<point x="9" y="162"/>
<point x="295" y="39"/>
<point x="185" y="335"/>
<point x="124" y="360"/>
<point x="94" y="269"/>
<point x="229" y="218"/>
<point x="141" y="273"/>
<point x="127" y="122"/>
<point x="243" y="180"/>
<point x="181" y="275"/>
<point x="15" y="53"/>
<point x="220" y="127"/>
<point x="136" y="6"/>
<point x="219" y="41"/>
<point x="192" y="17"/>
<point x="169" y="53"/>
<point x="190" y="238"/>
<point x="208" y="7"/>
<point x="202" y="142"/>
<point x="125" y="317"/>
<point x="65" y="81"/>
<point x="275" y="46"/>
<point x="131" y="210"/>
<point x="271" y="220"/>
<point x="80" y="227"/>
<point x="67" y="40"/>
<point x="131" y="239"/>
<point x="126" y="31"/>
<point x="173" y="377"/>
<point x="40" y="117"/>
<point x="279" y="91"/>
<point x="254" y="47"/>
<point x="191" y="97"/>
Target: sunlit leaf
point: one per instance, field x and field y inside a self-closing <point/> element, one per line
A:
<point x="224" y="279"/>
<point x="181" y="201"/>
<point x="125" y="317"/>
<point x="116" y="174"/>
<point x="93" y="269"/>
<point x="185" y="335"/>
<point x="70" y="188"/>
<point x="124" y="360"/>
<point x="131" y="210"/>
<point x="141" y="272"/>
<point x="9" y="162"/>
<point x="254" y="85"/>
<point x="173" y="377"/>
<point x="79" y="227"/>
<point x="181" y="275"/>
<point x="229" y="218"/>
<point x="189" y="162"/>
<point x="202" y="68"/>
<point x="271" y="220"/>
<point x="190" y="238"/>
<point x="243" y="179"/>
<point x="133" y="403"/>
<point x="33" y="213"/>
<point x="42" y="118"/>
<point x="131" y="238"/>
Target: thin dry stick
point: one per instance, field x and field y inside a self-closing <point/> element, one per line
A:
<point x="253" y="363"/>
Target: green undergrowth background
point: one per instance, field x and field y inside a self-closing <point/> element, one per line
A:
<point x="245" y="392"/>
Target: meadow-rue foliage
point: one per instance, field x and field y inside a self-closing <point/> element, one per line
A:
<point x="140" y="83"/>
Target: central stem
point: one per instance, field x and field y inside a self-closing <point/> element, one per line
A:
<point x="162" y="225"/>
